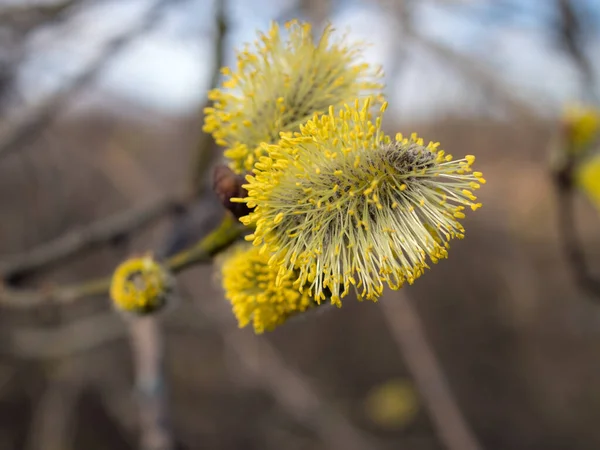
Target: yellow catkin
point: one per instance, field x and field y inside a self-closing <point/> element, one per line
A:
<point x="257" y="294"/>
<point x="140" y="285"/>
<point x="279" y="83"/>
<point x="345" y="206"/>
<point x="581" y="128"/>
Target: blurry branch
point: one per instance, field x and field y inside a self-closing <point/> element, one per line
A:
<point x="469" y="67"/>
<point x="572" y="36"/>
<point x="54" y="414"/>
<point x="146" y="333"/>
<point x="406" y="328"/>
<point x="568" y="234"/>
<point x="262" y="365"/>
<point x="148" y="352"/>
<point x="86" y="237"/>
<point x="54" y="343"/>
<point x="201" y="252"/>
<point x="50" y="344"/>
<point x="30" y="123"/>
<point x="475" y="71"/>
<point x="26" y="16"/>
<point x="203" y="153"/>
<point x="317" y="11"/>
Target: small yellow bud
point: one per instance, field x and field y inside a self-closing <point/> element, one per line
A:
<point x="141" y="286"/>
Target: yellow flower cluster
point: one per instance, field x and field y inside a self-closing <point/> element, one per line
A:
<point x="251" y="286"/>
<point x="587" y="178"/>
<point x="580" y="150"/>
<point x="140" y="285"/>
<point x="336" y="204"/>
<point x="279" y="84"/>
<point x="582" y="128"/>
<point x="341" y="204"/>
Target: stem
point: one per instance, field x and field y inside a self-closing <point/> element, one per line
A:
<point x="148" y="352"/>
<point x="407" y="329"/>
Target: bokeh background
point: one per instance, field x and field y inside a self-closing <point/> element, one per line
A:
<point x="101" y="147"/>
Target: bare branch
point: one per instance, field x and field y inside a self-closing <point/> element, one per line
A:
<point x="86" y="238"/>
<point x="201" y="252"/>
<point x="406" y="328"/>
<point x="477" y="72"/>
<point x="264" y="366"/>
<point x="53" y="418"/>
<point x="466" y="65"/>
<point x="572" y="37"/>
<point x="26" y="17"/>
<point x="29" y="124"/>
<point x="39" y="343"/>
<point x="568" y="234"/>
<point x="203" y="154"/>
<point x="148" y="352"/>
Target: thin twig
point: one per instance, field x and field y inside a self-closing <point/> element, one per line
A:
<point x="572" y="36"/>
<point x="469" y="67"/>
<point x="50" y="344"/>
<point x="264" y="366"/>
<point x="29" y="16"/>
<point x="569" y="235"/>
<point x="31" y="123"/>
<point x="406" y="328"/>
<point x="203" y="154"/>
<point x="53" y="422"/>
<point x="201" y="252"/>
<point x="151" y="387"/>
<point x="86" y="238"/>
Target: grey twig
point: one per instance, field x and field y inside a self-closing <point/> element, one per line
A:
<point x="86" y="237"/>
<point x="568" y="234"/>
<point x="572" y="37"/>
<point x="264" y="366"/>
<point x="54" y="415"/>
<point x="151" y="386"/>
<point x="203" y="154"/>
<point x="406" y="328"/>
<point x="29" y="124"/>
<point x="467" y="66"/>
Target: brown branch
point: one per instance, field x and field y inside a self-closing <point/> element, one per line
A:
<point x="57" y="343"/>
<point x="86" y="238"/>
<point x="476" y="71"/>
<point x="264" y="366"/>
<point x="41" y="343"/>
<point x="201" y="252"/>
<point x="568" y="234"/>
<point x="470" y="68"/>
<point x="203" y="154"/>
<point x="406" y="328"/>
<point x="26" y="17"/>
<point x="571" y="33"/>
<point x="54" y="415"/>
<point x="31" y="123"/>
<point x="148" y="351"/>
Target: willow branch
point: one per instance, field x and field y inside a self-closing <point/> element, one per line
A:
<point x="406" y="328"/>
<point x="569" y="236"/>
<point x="54" y="416"/>
<point x="263" y="365"/>
<point x="151" y="386"/>
<point x="572" y="35"/>
<point x="203" y="154"/>
<point x="469" y="67"/>
<point x="86" y="238"/>
<point x="201" y="252"/>
<point x="31" y="123"/>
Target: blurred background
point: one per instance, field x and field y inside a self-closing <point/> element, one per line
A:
<point x="102" y="156"/>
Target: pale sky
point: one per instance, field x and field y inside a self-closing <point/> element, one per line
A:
<point x="167" y="69"/>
